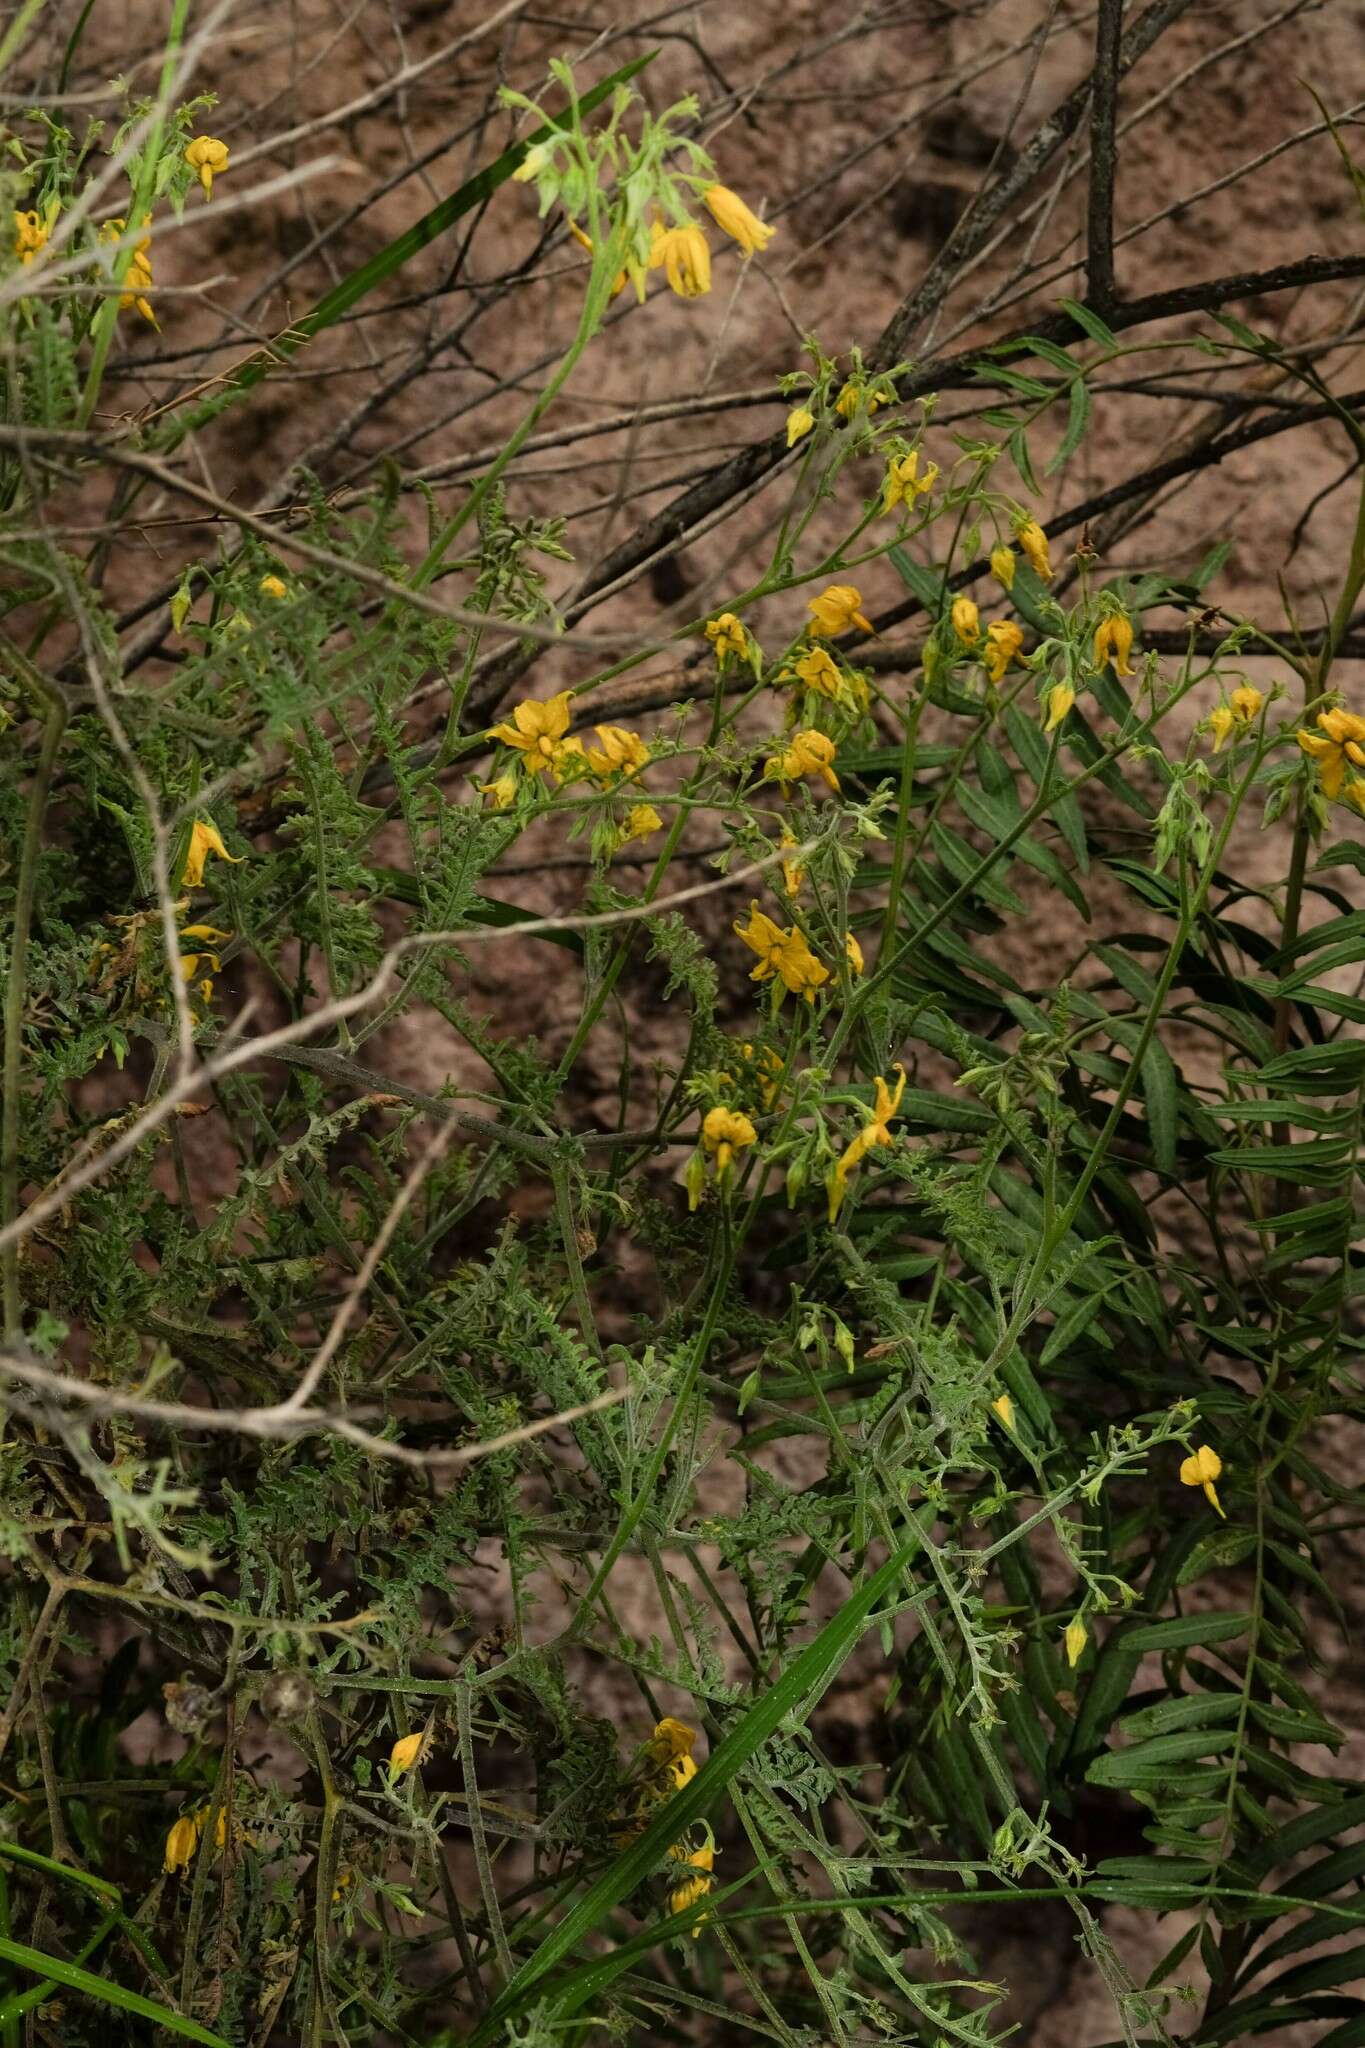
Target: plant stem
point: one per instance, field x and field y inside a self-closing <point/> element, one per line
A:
<point x="16" y="990"/>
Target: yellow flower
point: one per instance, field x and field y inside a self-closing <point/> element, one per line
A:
<point x="407" y="1753"/>
<point x="640" y="821"/>
<point x="766" y="1071"/>
<point x="273" y="586"/>
<point x="532" y="164"/>
<point x="204" y="840"/>
<point x="1354" y="794"/>
<point x="1222" y="723"/>
<point x="1245" y="703"/>
<point x="1076" y="1639"/>
<point x="538" y="731"/>
<point x="836" y="609"/>
<point x="793" y="874"/>
<point x="618" y="283"/>
<point x="808" y="753"/>
<point x="1114" y="642"/>
<point x="904" y="482"/>
<point x="1033" y="541"/>
<point x="727" y="636"/>
<point x="30" y="235"/>
<point x="799" y="423"/>
<point x="622" y="753"/>
<point x="684" y="256"/>
<point x="854" y="953"/>
<point x="692" y="1888"/>
<point x="137" y="278"/>
<point x="782" y="954"/>
<point x="1004" y="561"/>
<point x="1004" y="1408"/>
<point x="726" y="1132"/>
<point x="876" y="1131"/>
<point x="672" y="1743"/>
<point x="501" y="791"/>
<point x="819" y="671"/>
<point x="1337" y="741"/>
<point x="966" y="621"/>
<point x="181" y="1843"/>
<point x="1003" y="641"/>
<point x="1060" y="699"/>
<point x="734" y="219"/>
<point x="208" y="156"/>
<point x="210" y="939"/>
<point x="846" y="404"/>
<point x="1201" y="1470"/>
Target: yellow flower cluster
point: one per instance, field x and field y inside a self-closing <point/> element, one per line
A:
<point x="183" y="1839"/>
<point x="806" y="753"/>
<point x="201" y="965"/>
<point x="684" y="254"/>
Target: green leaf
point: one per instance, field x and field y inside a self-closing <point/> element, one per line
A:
<point x="1078" y="419"/>
<point x="1090" y="322"/>
<point x="105" y="1992"/>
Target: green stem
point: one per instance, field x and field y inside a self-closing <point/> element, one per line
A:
<point x="16" y="990"/>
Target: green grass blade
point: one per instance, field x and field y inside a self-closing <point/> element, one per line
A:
<point x="386" y="263"/>
<point x="64" y="1872"/>
<point x="25" y="1958"/>
<point x="806" y="1675"/>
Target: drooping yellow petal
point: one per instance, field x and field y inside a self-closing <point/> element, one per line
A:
<point x="205" y="838"/>
<point x="736" y="220"/>
<point x="407" y="1753"/>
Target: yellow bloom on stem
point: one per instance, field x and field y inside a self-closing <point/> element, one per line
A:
<point x="532" y="164"/>
<point x="966" y="621"/>
<point x="1077" y="1636"/>
<point x="735" y="219"/>
<point x="407" y="1753"/>
<point x="618" y="283"/>
<point x="1354" y="794"/>
<point x="876" y="1131"/>
<point x="819" y="671"/>
<point x="726" y="1132"/>
<point x="205" y="839"/>
<point x="181" y="1843"/>
<point x="684" y="256"/>
<point x="1033" y="541"/>
<point x="1003" y="641"/>
<point x="793" y="874"/>
<point x="640" y="821"/>
<point x="537" y="731"/>
<point x="1060" y="699"/>
<point x="800" y="420"/>
<point x="836" y="609"/>
<point x="621" y="753"/>
<point x="904" y="482"/>
<point x="1245" y="703"/>
<point x="1340" y="739"/>
<point x="30" y="235"/>
<point x="208" y="156"/>
<point x="670" y="1747"/>
<point x="853" y="952"/>
<point x="846" y="404"/>
<point x="808" y="753"/>
<point x="501" y="791"/>
<point x="1201" y="1470"/>
<point x="782" y="955"/>
<point x="273" y="586"/>
<point x="727" y="636"/>
<point x="1114" y="642"/>
<point x="1004" y="1408"/>
<point x="137" y="278"/>
<point x="1004" y="562"/>
<point x="693" y="1888"/>
<point x="1222" y="723"/>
